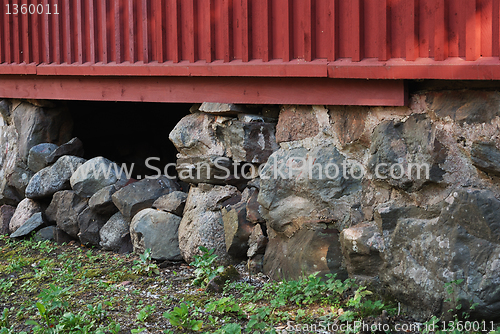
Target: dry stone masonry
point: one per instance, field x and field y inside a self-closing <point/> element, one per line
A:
<point x="293" y="190"/>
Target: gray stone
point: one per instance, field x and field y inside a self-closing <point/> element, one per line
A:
<point x="486" y="157"/>
<point x="173" y="202"/>
<point x="64" y="209"/>
<point x="209" y="169"/>
<point x="305" y="208"/>
<point x="202" y="223"/>
<point x="30" y="225"/>
<point x="38" y="154"/>
<point x="8" y="158"/>
<point x="257" y="242"/>
<point x="19" y="178"/>
<point x="250" y="141"/>
<point x="222" y="108"/>
<point x="216" y="284"/>
<point x="289" y="194"/>
<point x="61" y="237"/>
<point x="412" y="142"/>
<point x="89" y="225"/>
<point x="102" y="202"/>
<point x="198" y="135"/>
<point x="253" y="208"/>
<point x="158" y="231"/>
<point x="46" y="233"/>
<point x="24" y="211"/>
<point x="6" y="213"/>
<point x="94" y="175"/>
<point x="417" y="258"/>
<point x="237" y="230"/>
<point x="314" y="248"/>
<point x="465" y="106"/>
<point x="74" y="147"/>
<point x="113" y="232"/>
<point x="36" y="125"/>
<point x="362" y="245"/>
<point x="54" y="178"/>
<point x="141" y="195"/>
<point x="5" y="108"/>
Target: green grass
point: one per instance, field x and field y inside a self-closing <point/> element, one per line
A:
<point x="47" y="288"/>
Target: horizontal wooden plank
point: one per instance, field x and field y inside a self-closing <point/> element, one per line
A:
<point x="423" y="68"/>
<point x="18" y="68"/>
<point x="258" y="68"/>
<point x="322" y="91"/>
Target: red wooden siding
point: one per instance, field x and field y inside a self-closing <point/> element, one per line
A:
<point x="343" y="39"/>
<point x="178" y="31"/>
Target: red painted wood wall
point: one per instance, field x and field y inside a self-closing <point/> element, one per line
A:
<point x="360" y="39"/>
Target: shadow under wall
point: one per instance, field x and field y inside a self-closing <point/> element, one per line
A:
<point x="128" y="132"/>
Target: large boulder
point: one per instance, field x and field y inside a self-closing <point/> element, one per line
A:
<point x="8" y="162"/>
<point x="54" y="178"/>
<point x="306" y="202"/>
<point x="202" y="223"/>
<point x="36" y="125"/>
<point x="94" y="175"/>
<point x="64" y="209"/>
<point x="6" y="213"/>
<point x="38" y="154"/>
<point x="198" y="135"/>
<point x="407" y="155"/>
<point x="158" y="231"/>
<point x="113" y="233"/>
<point x="141" y="195"/>
<point x="25" y="209"/>
<point x="415" y="256"/>
<point x="34" y="223"/>
<point x="74" y="147"/>
<point x="19" y="178"/>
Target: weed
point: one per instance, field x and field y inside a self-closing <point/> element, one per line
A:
<point x="180" y="317"/>
<point x="6" y="285"/>
<point x="145" y="312"/>
<point x="205" y="267"/>
<point x="145" y="266"/>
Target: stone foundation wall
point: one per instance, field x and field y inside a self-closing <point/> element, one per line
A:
<point x="292" y="189"/>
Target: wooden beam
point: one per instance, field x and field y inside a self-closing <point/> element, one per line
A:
<point x="191" y="90"/>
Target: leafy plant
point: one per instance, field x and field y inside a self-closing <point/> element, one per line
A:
<point x="145" y="266"/>
<point x="224" y="305"/>
<point x="231" y="328"/>
<point x="180" y="317"/>
<point x="205" y="267"/>
<point x="4" y="320"/>
<point x="5" y="285"/>
<point x="145" y="312"/>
